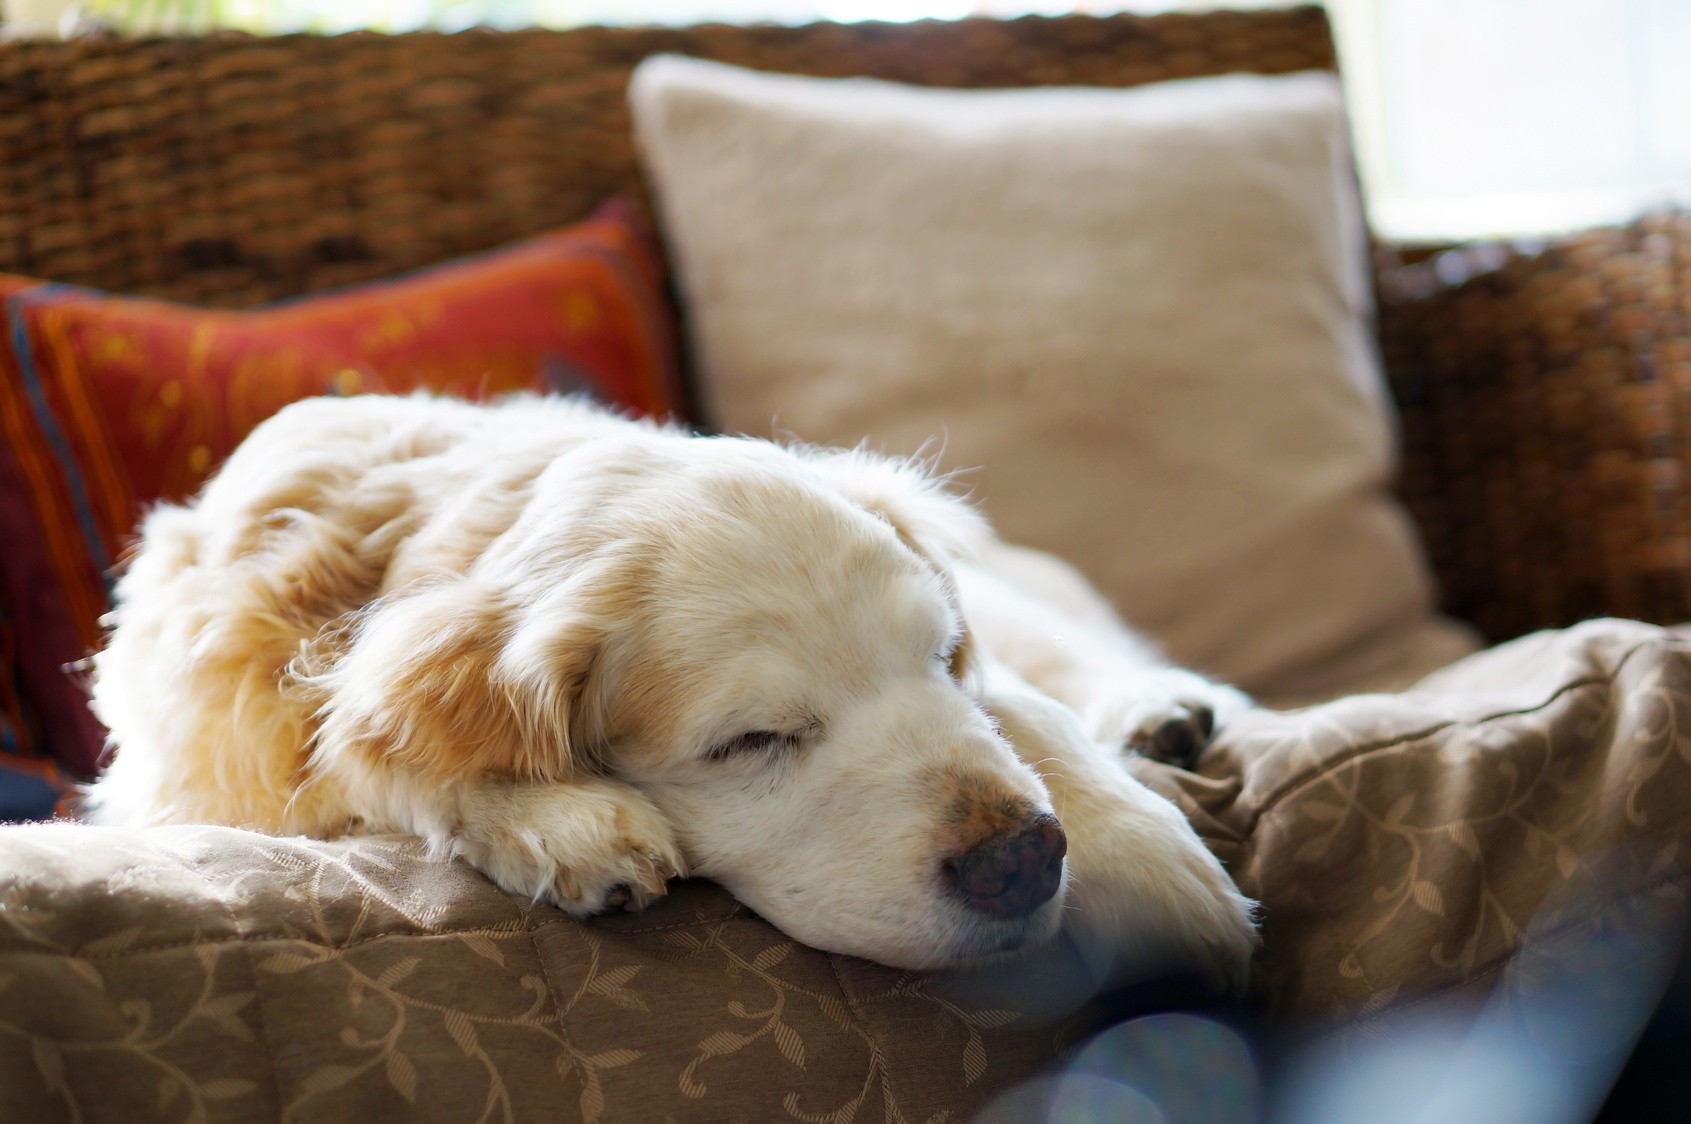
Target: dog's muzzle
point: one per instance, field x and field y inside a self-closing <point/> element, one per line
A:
<point x="1012" y="874"/>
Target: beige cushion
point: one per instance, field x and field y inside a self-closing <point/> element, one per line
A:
<point x="1400" y="847"/>
<point x="1138" y="316"/>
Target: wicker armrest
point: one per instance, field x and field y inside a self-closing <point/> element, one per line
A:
<point x="1546" y="400"/>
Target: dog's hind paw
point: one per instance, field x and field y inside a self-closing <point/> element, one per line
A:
<point x="1168" y="715"/>
<point x="1176" y="738"/>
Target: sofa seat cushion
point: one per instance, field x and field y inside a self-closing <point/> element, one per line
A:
<point x="1402" y="846"/>
<point x="260" y="978"/>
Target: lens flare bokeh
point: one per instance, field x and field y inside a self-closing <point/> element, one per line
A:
<point x="1544" y="1047"/>
<point x="1171" y="1068"/>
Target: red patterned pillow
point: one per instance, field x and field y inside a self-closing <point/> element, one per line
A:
<point x="30" y="784"/>
<point x="108" y="404"/>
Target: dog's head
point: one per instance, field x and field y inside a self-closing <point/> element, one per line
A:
<point x="766" y="643"/>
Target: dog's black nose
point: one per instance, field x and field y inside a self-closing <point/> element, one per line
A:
<point x="1010" y="876"/>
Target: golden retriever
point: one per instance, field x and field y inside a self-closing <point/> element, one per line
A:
<point x="588" y="654"/>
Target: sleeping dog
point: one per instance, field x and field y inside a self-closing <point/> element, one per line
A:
<point x="588" y="654"/>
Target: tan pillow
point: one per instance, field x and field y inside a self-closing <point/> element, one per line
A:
<point x="1139" y="316"/>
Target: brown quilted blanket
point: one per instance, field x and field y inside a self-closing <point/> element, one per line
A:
<point x="1399" y="844"/>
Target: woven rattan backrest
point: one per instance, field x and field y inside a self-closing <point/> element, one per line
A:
<point x="1546" y="450"/>
<point x="235" y="170"/>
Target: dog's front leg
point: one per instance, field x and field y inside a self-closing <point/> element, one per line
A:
<point x="585" y="846"/>
<point x="1069" y="644"/>
<point x="1145" y="895"/>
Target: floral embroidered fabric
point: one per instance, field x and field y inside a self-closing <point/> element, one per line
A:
<point x="1400" y="845"/>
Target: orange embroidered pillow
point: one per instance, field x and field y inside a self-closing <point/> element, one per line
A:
<point x="108" y="404"/>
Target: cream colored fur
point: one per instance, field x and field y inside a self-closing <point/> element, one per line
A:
<point x="587" y="654"/>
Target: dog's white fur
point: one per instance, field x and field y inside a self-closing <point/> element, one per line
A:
<point x="587" y="654"/>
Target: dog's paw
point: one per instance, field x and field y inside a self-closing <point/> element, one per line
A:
<point x="630" y="878"/>
<point x="1222" y="923"/>
<point x="1148" y="897"/>
<point x="1166" y="714"/>
<point x="585" y="848"/>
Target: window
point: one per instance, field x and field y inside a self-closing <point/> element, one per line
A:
<point x="1478" y="117"/>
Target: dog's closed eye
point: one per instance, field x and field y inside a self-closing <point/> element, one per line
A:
<point x="754" y="741"/>
<point x="759" y="742"/>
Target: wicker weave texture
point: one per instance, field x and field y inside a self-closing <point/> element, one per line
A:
<point x="231" y="171"/>
<point x="1546" y="401"/>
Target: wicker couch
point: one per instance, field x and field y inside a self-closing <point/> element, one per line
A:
<point x="1545" y="446"/>
<point x="206" y="973"/>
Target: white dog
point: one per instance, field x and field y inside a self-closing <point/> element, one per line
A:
<point x="588" y="654"/>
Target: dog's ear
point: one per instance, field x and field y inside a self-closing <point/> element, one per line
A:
<point x="462" y="678"/>
<point x="941" y="527"/>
